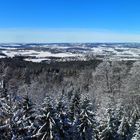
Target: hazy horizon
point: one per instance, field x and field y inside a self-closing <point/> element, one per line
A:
<point x="69" y="21"/>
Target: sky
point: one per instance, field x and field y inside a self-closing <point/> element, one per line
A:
<point x="69" y="21"/>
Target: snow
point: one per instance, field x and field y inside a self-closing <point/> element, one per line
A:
<point x="36" y="60"/>
<point x="11" y="44"/>
<point x="2" y="56"/>
<point x="7" y="48"/>
<point x="49" y="54"/>
<point x="117" y="51"/>
<point x="38" y="54"/>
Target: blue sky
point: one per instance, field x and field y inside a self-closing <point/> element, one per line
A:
<point x="69" y="21"/>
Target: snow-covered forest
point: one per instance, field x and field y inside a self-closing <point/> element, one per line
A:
<point x="93" y="100"/>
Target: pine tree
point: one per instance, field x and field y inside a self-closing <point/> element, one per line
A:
<point x="135" y="124"/>
<point x="109" y="132"/>
<point x="124" y="130"/>
<point x="86" y="126"/>
<point x="7" y="109"/>
<point x="74" y="115"/>
<point x="136" y="135"/>
<point x="134" y="118"/>
<point x="75" y="107"/>
<point x="63" y="122"/>
<point x="47" y="121"/>
<point x="24" y="119"/>
<point x="4" y="120"/>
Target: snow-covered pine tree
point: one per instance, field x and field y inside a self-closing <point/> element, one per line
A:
<point x="46" y="119"/>
<point x="24" y="119"/>
<point x="124" y="130"/>
<point x="74" y="115"/>
<point x="109" y="132"/>
<point x="7" y="109"/>
<point x="86" y="126"/>
<point x="62" y="121"/>
<point x="5" y="113"/>
<point x="133" y="120"/>
<point x="75" y="106"/>
<point x="136" y="135"/>
<point x="135" y="124"/>
<point x="4" y="120"/>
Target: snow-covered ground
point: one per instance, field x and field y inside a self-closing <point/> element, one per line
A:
<point x="36" y="60"/>
<point x="38" y="54"/>
<point x="41" y="52"/>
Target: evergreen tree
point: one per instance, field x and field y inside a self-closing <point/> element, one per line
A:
<point x="136" y="135"/>
<point x="7" y="108"/>
<point x="24" y="119"/>
<point x="75" y="107"/>
<point x="74" y="115"/>
<point x="63" y="122"/>
<point x="47" y="130"/>
<point x="4" y="120"/>
<point x="86" y="126"/>
<point x="133" y="119"/>
<point x="109" y="132"/>
<point x="124" y="130"/>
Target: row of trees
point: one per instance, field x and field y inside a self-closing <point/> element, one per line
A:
<point x="20" y="119"/>
<point x="100" y="103"/>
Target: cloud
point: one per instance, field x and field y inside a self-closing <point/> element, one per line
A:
<point x="65" y="35"/>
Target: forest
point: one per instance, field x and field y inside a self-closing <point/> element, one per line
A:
<point x="79" y="100"/>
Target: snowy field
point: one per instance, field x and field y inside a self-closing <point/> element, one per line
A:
<point x="41" y="52"/>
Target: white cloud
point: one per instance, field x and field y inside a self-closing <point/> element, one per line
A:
<point x="65" y="35"/>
